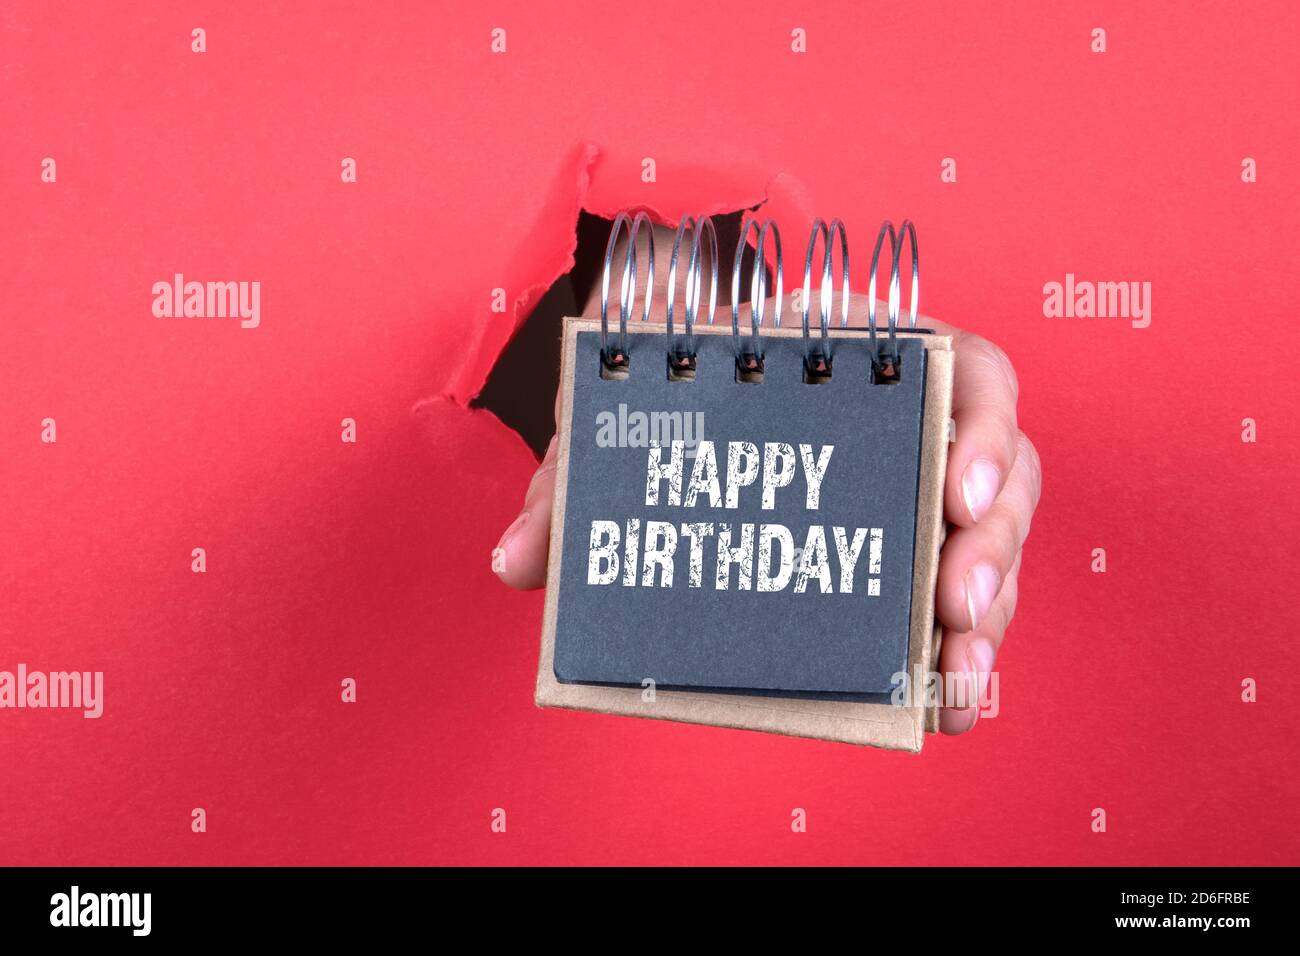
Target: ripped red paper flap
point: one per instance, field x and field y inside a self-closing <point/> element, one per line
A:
<point x="591" y="181"/>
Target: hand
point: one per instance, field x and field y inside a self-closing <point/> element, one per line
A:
<point x="992" y="487"/>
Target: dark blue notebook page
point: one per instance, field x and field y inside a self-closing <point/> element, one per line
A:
<point x="821" y="640"/>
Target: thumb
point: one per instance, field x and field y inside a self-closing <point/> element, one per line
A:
<point x="519" y="559"/>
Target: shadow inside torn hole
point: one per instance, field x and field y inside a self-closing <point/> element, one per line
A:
<point x="520" y="389"/>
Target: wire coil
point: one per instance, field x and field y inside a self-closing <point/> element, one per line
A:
<point x="683" y="358"/>
<point x="818" y="352"/>
<point x="820" y="362"/>
<point x="627" y="291"/>
<point x="752" y="361"/>
<point x="885" y="359"/>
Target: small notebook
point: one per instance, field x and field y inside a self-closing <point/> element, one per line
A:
<point x="747" y="519"/>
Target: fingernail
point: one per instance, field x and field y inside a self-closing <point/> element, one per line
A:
<point x="979" y="486"/>
<point x="511" y="531"/>
<point x="980" y="654"/>
<point x="953" y="720"/>
<point x="981" y="589"/>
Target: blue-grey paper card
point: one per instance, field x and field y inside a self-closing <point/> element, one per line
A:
<point x="744" y="536"/>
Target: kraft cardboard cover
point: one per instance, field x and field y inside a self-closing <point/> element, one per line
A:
<point x="880" y="725"/>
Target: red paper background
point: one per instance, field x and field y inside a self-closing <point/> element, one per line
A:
<point x="328" y="560"/>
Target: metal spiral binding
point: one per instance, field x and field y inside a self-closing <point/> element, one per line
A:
<point x="909" y="230"/>
<point x="751" y="363"/>
<point x="884" y="362"/>
<point x="618" y="358"/>
<point x="681" y="361"/>
<point x="817" y="357"/>
<point x="818" y="363"/>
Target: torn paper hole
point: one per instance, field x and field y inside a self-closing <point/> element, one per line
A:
<point x="511" y="368"/>
<point x="520" y="388"/>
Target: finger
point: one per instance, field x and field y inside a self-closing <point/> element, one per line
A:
<point x="976" y="561"/>
<point x="983" y="453"/>
<point x="966" y="660"/>
<point x="519" y="558"/>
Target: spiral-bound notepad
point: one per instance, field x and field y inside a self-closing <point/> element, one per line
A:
<point x="747" y="519"/>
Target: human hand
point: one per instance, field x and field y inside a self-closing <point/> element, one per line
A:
<point x="991" y="489"/>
